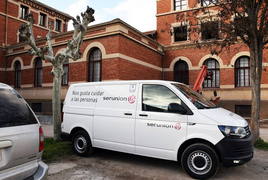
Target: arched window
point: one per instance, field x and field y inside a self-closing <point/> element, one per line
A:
<point x="38" y="72"/>
<point x="65" y="76"/>
<point x="242" y="72"/>
<point x="94" y="65"/>
<point x="213" y="67"/>
<point x="181" y="72"/>
<point x="17" y="68"/>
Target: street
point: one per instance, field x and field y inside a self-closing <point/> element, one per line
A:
<point x="113" y="165"/>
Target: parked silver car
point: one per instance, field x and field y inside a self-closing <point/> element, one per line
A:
<point x="21" y="139"/>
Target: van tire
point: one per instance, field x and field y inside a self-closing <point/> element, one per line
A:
<point x="200" y="161"/>
<point x="81" y="143"/>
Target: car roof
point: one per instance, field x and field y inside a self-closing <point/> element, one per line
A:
<point x="4" y="86"/>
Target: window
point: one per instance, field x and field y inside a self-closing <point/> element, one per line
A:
<point x="208" y="2"/>
<point x="24" y="10"/>
<point x="213" y="68"/>
<point x="180" y="4"/>
<point x="14" y="111"/>
<point x="58" y="25"/>
<point x="36" y="107"/>
<point x="243" y="110"/>
<point x="65" y="76"/>
<point x="17" y="68"/>
<point x="181" y="72"/>
<point x="43" y="20"/>
<point x="94" y="73"/>
<point x="242" y="72"/>
<point x="210" y="30"/>
<point x="156" y="98"/>
<point x="38" y="73"/>
<point x="180" y="33"/>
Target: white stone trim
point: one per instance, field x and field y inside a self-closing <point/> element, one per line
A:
<point x="235" y="57"/>
<point x="27" y="85"/>
<point x="229" y="86"/>
<point x="203" y="59"/>
<point x="92" y="45"/>
<point x="172" y="64"/>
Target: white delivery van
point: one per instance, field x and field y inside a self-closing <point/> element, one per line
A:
<point x="160" y="119"/>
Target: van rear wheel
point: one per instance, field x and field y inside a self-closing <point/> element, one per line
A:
<point x="81" y="143"/>
<point x="200" y="161"/>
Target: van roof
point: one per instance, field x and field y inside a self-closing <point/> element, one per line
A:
<point x="4" y="86"/>
<point x="124" y="82"/>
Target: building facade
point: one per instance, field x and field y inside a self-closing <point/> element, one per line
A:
<point x="117" y="51"/>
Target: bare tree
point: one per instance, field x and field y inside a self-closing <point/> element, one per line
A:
<point x="240" y="21"/>
<point x="72" y="51"/>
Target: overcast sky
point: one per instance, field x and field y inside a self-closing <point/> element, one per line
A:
<point x="137" y="13"/>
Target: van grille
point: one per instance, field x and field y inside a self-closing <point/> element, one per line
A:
<point x="247" y="131"/>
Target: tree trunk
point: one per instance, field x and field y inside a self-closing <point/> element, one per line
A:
<point x="56" y="101"/>
<point x="256" y="54"/>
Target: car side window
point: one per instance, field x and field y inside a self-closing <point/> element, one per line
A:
<point x="13" y="110"/>
<point x="156" y="98"/>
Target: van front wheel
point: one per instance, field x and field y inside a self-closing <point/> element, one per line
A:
<point x="200" y="161"/>
<point x="82" y="144"/>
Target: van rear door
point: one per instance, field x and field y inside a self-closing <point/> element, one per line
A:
<point x="19" y="132"/>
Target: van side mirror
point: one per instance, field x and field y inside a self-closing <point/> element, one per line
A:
<point x="177" y="108"/>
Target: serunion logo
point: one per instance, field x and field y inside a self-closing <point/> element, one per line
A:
<point x="131" y="99"/>
<point x="177" y="126"/>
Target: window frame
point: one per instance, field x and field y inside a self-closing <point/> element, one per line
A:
<point x="44" y="19"/>
<point x="58" y="28"/>
<point x="210" y="3"/>
<point x="186" y="78"/>
<point x="180" y="6"/>
<point x="174" y="33"/>
<point x="65" y="75"/>
<point x="24" y="11"/>
<point x="37" y="69"/>
<point x="17" y="74"/>
<point x="91" y="77"/>
<point x="238" y="69"/>
<point x="214" y="70"/>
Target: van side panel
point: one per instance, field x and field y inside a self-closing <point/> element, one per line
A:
<point x="114" y="117"/>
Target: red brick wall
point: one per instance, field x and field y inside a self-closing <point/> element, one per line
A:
<point x="2" y="29"/>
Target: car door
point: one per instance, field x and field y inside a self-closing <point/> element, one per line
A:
<point x="114" y="117"/>
<point x="19" y="131"/>
<point x="158" y="131"/>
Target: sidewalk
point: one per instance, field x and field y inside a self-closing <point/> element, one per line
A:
<point x="48" y="131"/>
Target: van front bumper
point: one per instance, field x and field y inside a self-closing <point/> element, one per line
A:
<point x="235" y="151"/>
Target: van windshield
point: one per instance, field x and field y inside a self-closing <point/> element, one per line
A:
<point x="197" y="99"/>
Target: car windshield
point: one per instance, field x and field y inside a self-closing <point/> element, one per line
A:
<point x="197" y="99"/>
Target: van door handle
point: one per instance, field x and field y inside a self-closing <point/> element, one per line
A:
<point x="128" y="114"/>
<point x="143" y="115"/>
<point x="5" y="144"/>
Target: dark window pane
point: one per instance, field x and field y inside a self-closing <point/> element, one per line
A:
<point x="43" y="19"/>
<point x="180" y="33"/>
<point x="36" y="107"/>
<point x="17" y="74"/>
<point x="24" y="10"/>
<point x="14" y="111"/>
<point x="58" y="25"/>
<point x="65" y="77"/>
<point x="157" y="98"/>
<point x="181" y="72"/>
<point x="38" y="76"/>
<point x="243" y="110"/>
<point x="210" y="30"/>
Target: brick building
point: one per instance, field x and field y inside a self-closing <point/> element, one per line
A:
<point x="116" y="51"/>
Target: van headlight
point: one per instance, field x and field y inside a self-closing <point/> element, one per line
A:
<point x="233" y="131"/>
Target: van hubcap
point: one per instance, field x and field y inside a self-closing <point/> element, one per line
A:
<point x="199" y="162"/>
<point x="80" y="144"/>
